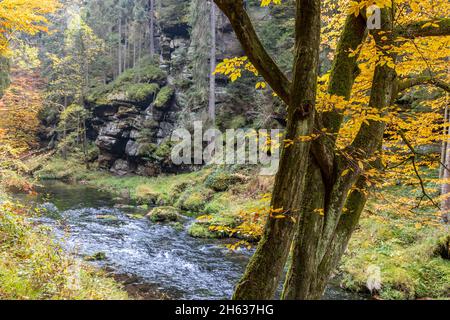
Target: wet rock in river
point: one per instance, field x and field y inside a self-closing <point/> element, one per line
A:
<point x="164" y="214"/>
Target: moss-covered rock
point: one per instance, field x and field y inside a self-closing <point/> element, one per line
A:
<point x="141" y="92"/>
<point x="136" y="216"/>
<point x="194" y="200"/>
<point x="443" y="248"/>
<point x="146" y="195"/>
<point x="164" y="97"/>
<point x="99" y="256"/>
<point x="221" y="180"/>
<point x="138" y="85"/>
<point x="201" y="231"/>
<point x="164" y="214"/>
<point x="107" y="217"/>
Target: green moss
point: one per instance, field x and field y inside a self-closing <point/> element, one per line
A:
<point x="143" y="73"/>
<point x="178" y="226"/>
<point x="201" y="231"/>
<point x="136" y="216"/>
<point x="222" y="180"/>
<point x="164" y="214"/>
<point x="405" y="255"/>
<point x="59" y="169"/>
<point x="137" y="84"/>
<point x="164" y="96"/>
<point x="145" y="194"/>
<point x="141" y="91"/>
<point x="194" y="200"/>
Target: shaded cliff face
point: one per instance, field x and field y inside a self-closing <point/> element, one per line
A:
<point x="135" y="115"/>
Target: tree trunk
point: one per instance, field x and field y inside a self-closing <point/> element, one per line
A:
<point x="64" y="150"/>
<point x="119" y="69"/>
<point x="341" y="82"/>
<point x="264" y="271"/>
<point x="445" y="172"/>
<point x="444" y="145"/>
<point x="324" y="230"/>
<point x="152" y="27"/>
<point x="212" y="77"/>
<point x="125" y="52"/>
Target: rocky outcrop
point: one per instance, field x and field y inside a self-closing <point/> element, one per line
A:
<point x="133" y="118"/>
<point x="135" y="115"/>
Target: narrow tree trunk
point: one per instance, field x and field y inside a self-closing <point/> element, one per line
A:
<point x="134" y="46"/>
<point x="152" y="27"/>
<point x="85" y="145"/>
<point x="445" y="132"/>
<point x="119" y="69"/>
<point x="212" y="77"/>
<point x="125" y="54"/>
<point x="445" y="188"/>
<point x="64" y="150"/>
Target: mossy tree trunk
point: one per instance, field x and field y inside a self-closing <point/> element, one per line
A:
<point x="265" y="268"/>
<point x="324" y="189"/>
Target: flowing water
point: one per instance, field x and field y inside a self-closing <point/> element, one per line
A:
<point x="88" y="222"/>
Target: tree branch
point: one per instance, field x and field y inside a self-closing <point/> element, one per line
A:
<point x="407" y="83"/>
<point x="416" y="29"/>
<point x="257" y="54"/>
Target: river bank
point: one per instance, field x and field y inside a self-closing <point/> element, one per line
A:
<point x="34" y="266"/>
<point x="395" y="253"/>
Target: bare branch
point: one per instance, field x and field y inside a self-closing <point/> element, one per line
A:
<point x="412" y="82"/>
<point x="257" y="54"/>
<point x="417" y="29"/>
<point x="416" y="171"/>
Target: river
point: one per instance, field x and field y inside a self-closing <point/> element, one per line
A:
<point x="87" y="221"/>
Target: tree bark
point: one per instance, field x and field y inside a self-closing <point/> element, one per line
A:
<point x="445" y="187"/>
<point x="324" y="230"/>
<point x="152" y="27"/>
<point x="212" y="77"/>
<point x="119" y="69"/>
<point x="263" y="273"/>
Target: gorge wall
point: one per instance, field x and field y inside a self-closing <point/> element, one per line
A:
<point x="134" y="116"/>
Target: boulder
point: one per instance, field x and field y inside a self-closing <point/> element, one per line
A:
<point x="164" y="214"/>
<point x="116" y="128"/>
<point x="132" y="148"/>
<point x="120" y="167"/>
<point x="148" y="170"/>
<point x="106" y="142"/>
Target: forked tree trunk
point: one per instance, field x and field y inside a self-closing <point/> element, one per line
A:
<point x="263" y="273"/>
<point x="280" y="232"/>
<point x="325" y="227"/>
